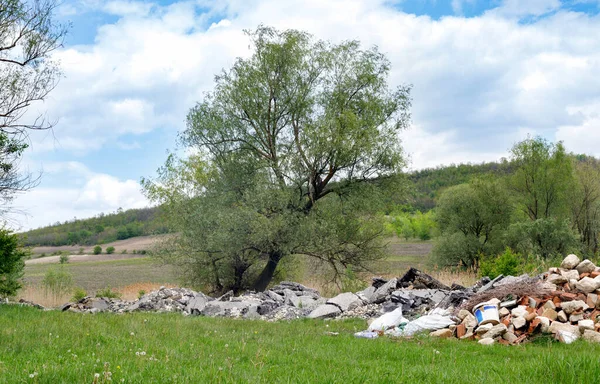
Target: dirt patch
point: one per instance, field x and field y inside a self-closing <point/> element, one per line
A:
<point x="83" y="258"/>
<point x="134" y="243"/>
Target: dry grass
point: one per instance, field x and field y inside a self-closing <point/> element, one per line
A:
<point x="37" y="294"/>
<point x="526" y="287"/>
<point x="132" y="291"/>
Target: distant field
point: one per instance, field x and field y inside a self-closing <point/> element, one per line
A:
<point x="135" y="243"/>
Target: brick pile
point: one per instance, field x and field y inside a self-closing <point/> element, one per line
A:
<point x="567" y="307"/>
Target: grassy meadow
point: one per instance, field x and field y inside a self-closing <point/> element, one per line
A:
<point x="53" y="347"/>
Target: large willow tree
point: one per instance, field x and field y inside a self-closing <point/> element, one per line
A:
<point x="293" y="146"/>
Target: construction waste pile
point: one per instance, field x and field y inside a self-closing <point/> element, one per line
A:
<point x="563" y="302"/>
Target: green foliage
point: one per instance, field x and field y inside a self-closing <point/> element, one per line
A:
<point x="78" y="294"/>
<point x="110" y="250"/>
<point x="141" y="293"/>
<point x="124" y="252"/>
<point x="472" y="219"/>
<point x="108" y="293"/>
<point x="57" y="281"/>
<point x="97" y="250"/>
<point x="104" y="228"/>
<point x="297" y="145"/>
<point x="507" y="263"/>
<point x="546" y="238"/>
<point x="417" y="225"/>
<point x="12" y="263"/>
<point x="81" y="249"/>
<point x="63" y="259"/>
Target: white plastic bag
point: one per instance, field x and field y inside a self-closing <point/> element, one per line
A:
<point x="367" y="334"/>
<point x="388" y="320"/>
<point x="427" y="323"/>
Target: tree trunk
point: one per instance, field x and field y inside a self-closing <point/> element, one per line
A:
<point x="265" y="277"/>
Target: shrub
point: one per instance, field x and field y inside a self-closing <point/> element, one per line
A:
<point x="143" y="252"/>
<point x="108" y="293"/>
<point x="78" y="294"/>
<point x="141" y="293"/>
<point x="97" y="250"/>
<point x="57" y="282"/>
<point x="124" y="251"/>
<point x="508" y="263"/>
<point x="81" y="251"/>
<point x="11" y="263"/>
<point x="64" y="259"/>
<point x="110" y="250"/>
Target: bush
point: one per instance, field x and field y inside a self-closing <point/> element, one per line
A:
<point x="110" y="250"/>
<point x="141" y="293"/>
<point x="508" y="263"/>
<point x="78" y="294"/>
<point x="64" y="259"/>
<point x="123" y="252"/>
<point x="11" y="263"/>
<point x="80" y="251"/>
<point x="57" y="282"/>
<point x="108" y="293"/>
<point x="97" y="250"/>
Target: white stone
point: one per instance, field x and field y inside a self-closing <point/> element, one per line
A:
<point x="486" y="341"/>
<point x="519" y="322"/>
<point x="562" y="317"/>
<point x="323" y="311"/>
<point x="586" y="266"/>
<point x="497" y="330"/>
<point x="585" y="324"/>
<point x="482" y="329"/>
<point x="570" y="262"/>
<point x="557" y="279"/>
<point x="544" y="324"/>
<point x="549" y="305"/>
<point x="462" y="314"/>
<point x="574" y="318"/>
<point x="520" y="311"/>
<point x="587" y="285"/>
<point x="573" y="306"/>
<point x="591" y="336"/>
<point x="558" y="326"/>
<point x="503" y="312"/>
<point x="570" y="274"/>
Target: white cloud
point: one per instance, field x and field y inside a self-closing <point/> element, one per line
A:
<point x="98" y="193"/>
<point x="584" y="137"/>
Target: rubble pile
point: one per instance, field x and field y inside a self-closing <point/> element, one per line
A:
<point x="563" y="302"/>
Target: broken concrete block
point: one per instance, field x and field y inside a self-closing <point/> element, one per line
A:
<point x="544" y="324"/>
<point x="576" y="317"/>
<point x="482" y="329"/>
<point x="510" y="337"/>
<point x="503" y="312"/>
<point x="586" y="266"/>
<point x="562" y="317"/>
<point x="486" y="341"/>
<point x="585" y="325"/>
<point x="549" y="305"/>
<point x="462" y="314"/>
<point x="346" y="301"/>
<point x="570" y="274"/>
<point x="324" y="311"/>
<point x="591" y="336"/>
<point x="442" y="333"/>
<point x="519" y="311"/>
<point x="508" y="304"/>
<point x="550" y="314"/>
<point x="497" y="330"/>
<point x="570" y="262"/>
<point x="587" y="285"/>
<point x="470" y="321"/>
<point x="519" y="322"/>
<point x="572" y="306"/>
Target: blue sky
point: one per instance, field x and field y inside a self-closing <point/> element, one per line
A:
<point x="485" y="74"/>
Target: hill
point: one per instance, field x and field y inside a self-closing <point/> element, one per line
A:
<point x="101" y="229"/>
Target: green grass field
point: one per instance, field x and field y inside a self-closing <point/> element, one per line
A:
<point x="56" y="347"/>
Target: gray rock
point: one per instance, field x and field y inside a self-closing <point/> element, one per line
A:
<point x="365" y="294"/>
<point x="276" y="297"/>
<point x="225" y="308"/>
<point x="491" y="284"/>
<point x="346" y="301"/>
<point x="196" y="304"/>
<point x="557" y="279"/>
<point x="586" y="266"/>
<point x="570" y="262"/>
<point x="487" y="341"/>
<point x="518" y="322"/>
<point x="497" y="330"/>
<point x="585" y="325"/>
<point x="570" y="274"/>
<point x="99" y="304"/>
<point x="382" y="292"/>
<point x="324" y="311"/>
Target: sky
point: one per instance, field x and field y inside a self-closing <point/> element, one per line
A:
<point x="485" y="75"/>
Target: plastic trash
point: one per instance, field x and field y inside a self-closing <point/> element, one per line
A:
<point x="388" y="320"/>
<point x="367" y="334"/>
<point x="426" y="323"/>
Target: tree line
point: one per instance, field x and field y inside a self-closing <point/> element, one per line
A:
<point x="546" y="207"/>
